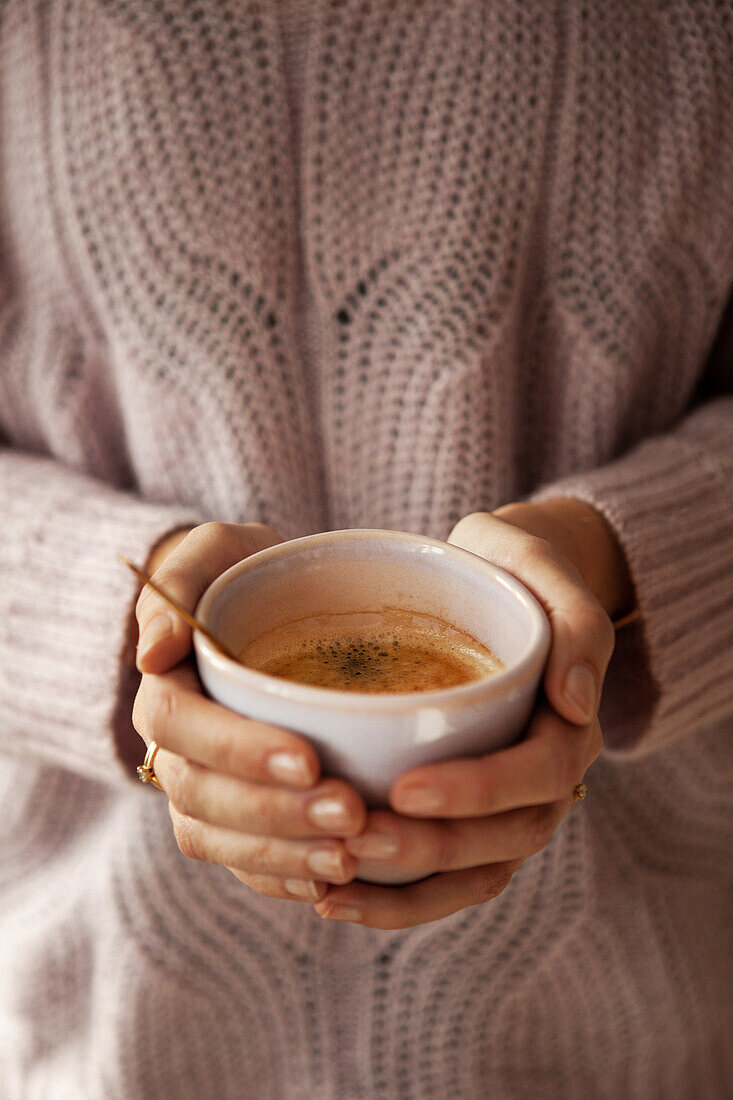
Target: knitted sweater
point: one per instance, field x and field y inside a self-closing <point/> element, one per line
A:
<point x="347" y="264"/>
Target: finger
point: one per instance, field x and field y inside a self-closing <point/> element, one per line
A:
<point x="205" y="553"/>
<point x="181" y="719"/>
<point x="544" y="767"/>
<point x="272" y="887"/>
<point x="582" y="633"/>
<point x="327" y="860"/>
<point x="418" y="903"/>
<point x="333" y="808"/>
<point x="427" y="847"/>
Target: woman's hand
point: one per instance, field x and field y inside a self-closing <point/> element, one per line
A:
<point x="241" y="793"/>
<point x="482" y="817"/>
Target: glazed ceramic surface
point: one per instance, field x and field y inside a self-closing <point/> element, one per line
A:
<point x="372" y="739"/>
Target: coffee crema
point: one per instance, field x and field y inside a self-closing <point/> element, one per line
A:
<point x="386" y="652"/>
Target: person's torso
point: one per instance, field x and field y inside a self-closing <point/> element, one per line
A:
<point x="490" y="247"/>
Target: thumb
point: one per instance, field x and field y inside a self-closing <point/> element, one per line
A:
<point x="582" y="634"/>
<point x="206" y="552"/>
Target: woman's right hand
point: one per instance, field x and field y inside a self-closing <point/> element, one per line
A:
<point x="241" y="793"/>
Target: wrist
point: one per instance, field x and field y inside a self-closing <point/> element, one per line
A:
<point x="584" y="536"/>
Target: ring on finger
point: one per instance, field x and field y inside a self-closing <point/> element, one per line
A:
<point x="146" y="771"/>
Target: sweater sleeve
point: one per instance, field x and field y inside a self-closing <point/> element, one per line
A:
<point x="67" y="626"/>
<point x="670" y="502"/>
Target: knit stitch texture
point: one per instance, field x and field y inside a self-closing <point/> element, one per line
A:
<point x="363" y="264"/>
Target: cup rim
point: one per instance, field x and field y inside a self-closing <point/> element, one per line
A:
<point x="500" y="683"/>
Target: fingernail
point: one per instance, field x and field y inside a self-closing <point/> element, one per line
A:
<point x="301" y="888"/>
<point x="339" y="912"/>
<point x="581" y="690"/>
<point x="329" y="813"/>
<point x="159" y="627"/>
<point x="373" y="846"/>
<point x="288" y="768"/>
<point x="326" y="864"/>
<point x="419" y="800"/>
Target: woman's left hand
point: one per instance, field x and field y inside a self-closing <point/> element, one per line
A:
<point x="469" y="824"/>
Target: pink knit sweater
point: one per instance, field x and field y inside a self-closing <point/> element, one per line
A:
<point x="342" y="264"/>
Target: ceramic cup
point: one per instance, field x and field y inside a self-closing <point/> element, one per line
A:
<point x="370" y="740"/>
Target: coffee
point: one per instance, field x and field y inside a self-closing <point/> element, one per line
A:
<point x="373" y="652"/>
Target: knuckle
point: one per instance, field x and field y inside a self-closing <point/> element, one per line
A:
<point x="491" y="777"/>
<point x="213" y="529"/>
<point x="188" y="837"/>
<point x="182" y="786"/>
<point x="536" y="550"/>
<point x="259" y="857"/>
<point x="467" y="527"/>
<point x="262" y="810"/>
<point x="442" y="853"/>
<point x="235" y="540"/>
<point x="220" y="534"/>
<point x="224" y="754"/>
<point x="160" y="709"/>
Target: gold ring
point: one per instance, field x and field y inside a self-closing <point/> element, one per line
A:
<point x="579" y="792"/>
<point x="145" y="771"/>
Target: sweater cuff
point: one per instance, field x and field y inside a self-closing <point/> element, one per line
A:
<point x="67" y="622"/>
<point x="670" y="503"/>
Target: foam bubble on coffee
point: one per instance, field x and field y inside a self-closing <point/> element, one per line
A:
<point x="388" y="652"/>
